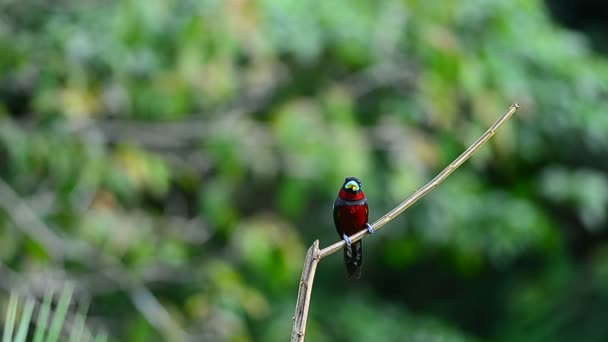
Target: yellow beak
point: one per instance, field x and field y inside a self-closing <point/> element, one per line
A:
<point x="352" y="185"/>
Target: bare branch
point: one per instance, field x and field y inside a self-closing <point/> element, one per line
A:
<point x="25" y="219"/>
<point x="428" y="187"/>
<point x="313" y="257"/>
<point x="308" y="276"/>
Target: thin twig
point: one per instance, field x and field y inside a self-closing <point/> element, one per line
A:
<point x="302" y="304"/>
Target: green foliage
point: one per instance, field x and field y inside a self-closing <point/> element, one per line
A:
<point x="173" y="159"/>
<point x="19" y="324"/>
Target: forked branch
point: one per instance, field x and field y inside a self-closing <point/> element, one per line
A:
<point x="314" y="255"/>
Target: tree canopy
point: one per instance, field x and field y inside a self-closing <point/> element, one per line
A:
<point x="172" y="161"/>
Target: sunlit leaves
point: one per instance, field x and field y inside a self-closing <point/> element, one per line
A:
<point x="137" y="170"/>
<point x="273" y="247"/>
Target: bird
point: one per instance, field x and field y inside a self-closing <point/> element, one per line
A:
<point x="351" y="213"/>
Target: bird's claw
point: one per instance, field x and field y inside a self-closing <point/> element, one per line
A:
<point x="369" y="227"/>
<point x="346" y="239"/>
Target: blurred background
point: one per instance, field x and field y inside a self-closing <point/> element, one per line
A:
<point x="171" y="161"/>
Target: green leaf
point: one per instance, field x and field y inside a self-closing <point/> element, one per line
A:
<point x="60" y="314"/>
<point x="9" y="325"/>
<point x="25" y="320"/>
<point x="43" y="316"/>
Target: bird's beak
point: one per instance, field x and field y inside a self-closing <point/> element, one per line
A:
<point x="352" y="185"/>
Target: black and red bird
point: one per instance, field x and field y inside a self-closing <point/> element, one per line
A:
<point x="350" y="217"/>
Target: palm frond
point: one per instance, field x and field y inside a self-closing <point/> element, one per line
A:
<point x="51" y="324"/>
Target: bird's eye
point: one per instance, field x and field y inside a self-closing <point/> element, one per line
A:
<point x="352" y="185"/>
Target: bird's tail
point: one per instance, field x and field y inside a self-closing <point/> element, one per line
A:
<point x="353" y="258"/>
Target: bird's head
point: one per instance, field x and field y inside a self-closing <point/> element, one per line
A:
<point x="352" y="185"/>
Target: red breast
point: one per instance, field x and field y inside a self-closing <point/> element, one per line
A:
<point x="350" y="196"/>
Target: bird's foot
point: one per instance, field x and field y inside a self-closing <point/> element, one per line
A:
<point x="346" y="239"/>
<point x="369" y="228"/>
